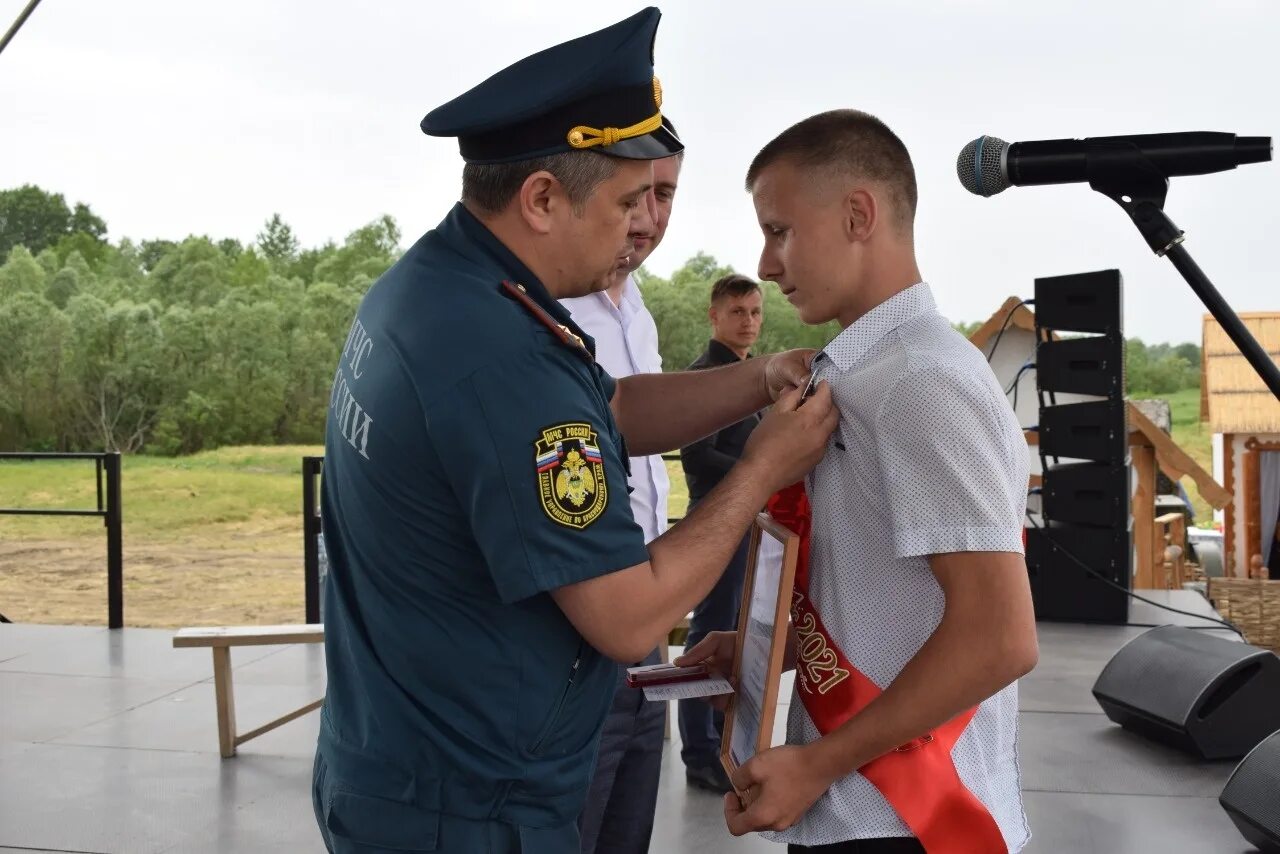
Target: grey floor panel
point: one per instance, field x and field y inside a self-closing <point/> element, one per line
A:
<point x="691" y="820"/>
<point x="187" y="721"/>
<point x="127" y="801"/>
<point x="134" y="768"/>
<point x="1071" y="823"/>
<point x="21" y="638"/>
<point x="41" y="707"/>
<point x="1090" y="755"/>
<point x="1070" y="660"/>
<point x="1045" y="692"/>
<point x="1183" y="600"/>
<point x="133" y="653"/>
<point x="297" y="664"/>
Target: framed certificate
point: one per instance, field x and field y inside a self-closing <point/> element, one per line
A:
<point x="762" y="640"/>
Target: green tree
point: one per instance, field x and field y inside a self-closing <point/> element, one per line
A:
<point x="21" y="274"/>
<point x="277" y="242"/>
<point x="364" y="256"/>
<point x="118" y="387"/>
<point x="90" y="249"/>
<point x="193" y="273"/>
<point x="33" y="337"/>
<point x="152" y="252"/>
<point x="36" y="219"/>
<point x="62" y="287"/>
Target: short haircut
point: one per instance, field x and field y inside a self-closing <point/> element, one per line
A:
<point x="733" y="285"/>
<point x="850" y="142"/>
<point x="491" y="187"/>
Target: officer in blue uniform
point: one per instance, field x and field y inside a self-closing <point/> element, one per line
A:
<point x="484" y="564"/>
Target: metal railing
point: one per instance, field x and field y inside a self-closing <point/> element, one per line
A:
<point x="107" y="466"/>
<point x="311" y="528"/>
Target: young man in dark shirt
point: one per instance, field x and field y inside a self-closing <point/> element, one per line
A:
<point x="736" y="313"/>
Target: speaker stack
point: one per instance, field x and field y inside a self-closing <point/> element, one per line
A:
<point x="1085" y="500"/>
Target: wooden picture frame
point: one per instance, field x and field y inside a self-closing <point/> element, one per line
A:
<point x="763" y="620"/>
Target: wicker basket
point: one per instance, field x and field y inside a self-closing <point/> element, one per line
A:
<point x="1253" y="604"/>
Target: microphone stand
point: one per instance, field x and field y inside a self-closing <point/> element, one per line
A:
<point x="1122" y="174"/>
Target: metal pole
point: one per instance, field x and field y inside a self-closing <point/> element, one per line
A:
<point x="115" y="544"/>
<point x="1230" y="321"/>
<point x="310" y="552"/>
<point x="17" y="25"/>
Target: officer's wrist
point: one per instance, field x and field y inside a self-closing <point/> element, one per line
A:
<point x="754" y="476"/>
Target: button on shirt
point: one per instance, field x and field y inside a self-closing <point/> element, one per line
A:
<point x="627" y="343"/>
<point x="928" y="458"/>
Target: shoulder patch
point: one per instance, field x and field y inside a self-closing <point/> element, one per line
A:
<point x="571" y="482"/>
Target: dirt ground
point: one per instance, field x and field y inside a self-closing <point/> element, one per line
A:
<point x="242" y="577"/>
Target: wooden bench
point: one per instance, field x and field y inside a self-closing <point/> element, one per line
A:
<point x="220" y="639"/>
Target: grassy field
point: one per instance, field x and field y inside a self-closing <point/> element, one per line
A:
<point x="211" y="538"/>
<point x="216" y="537"/>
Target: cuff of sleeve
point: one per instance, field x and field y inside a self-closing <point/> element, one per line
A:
<point x="931" y="541"/>
<point x="545" y="578"/>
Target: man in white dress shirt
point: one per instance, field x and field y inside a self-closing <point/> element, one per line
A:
<point x="914" y="618"/>
<point x="618" y="816"/>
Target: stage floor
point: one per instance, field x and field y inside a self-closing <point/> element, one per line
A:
<point x="108" y="743"/>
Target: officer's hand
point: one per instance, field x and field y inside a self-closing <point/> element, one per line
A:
<point x="792" y="438"/>
<point x="787" y="370"/>
<point x="717" y="651"/>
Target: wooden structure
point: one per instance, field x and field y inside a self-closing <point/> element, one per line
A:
<point x="1245" y="419"/>
<point x="220" y="639"/>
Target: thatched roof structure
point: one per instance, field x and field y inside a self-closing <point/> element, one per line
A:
<point x="1233" y="398"/>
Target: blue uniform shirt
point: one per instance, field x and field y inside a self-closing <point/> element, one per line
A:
<point x="471" y="465"/>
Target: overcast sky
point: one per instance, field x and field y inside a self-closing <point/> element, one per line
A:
<point x="171" y="118"/>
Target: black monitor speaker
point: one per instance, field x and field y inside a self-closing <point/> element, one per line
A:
<point x="1206" y="695"/>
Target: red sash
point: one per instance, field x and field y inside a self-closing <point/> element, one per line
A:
<point x="918" y="779"/>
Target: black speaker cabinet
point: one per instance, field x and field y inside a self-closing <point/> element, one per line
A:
<point x="1087" y="494"/>
<point x="1206" y="695"/>
<point x="1064" y="591"/>
<point x="1252" y="795"/>
<point x="1081" y="302"/>
<point x="1093" y="365"/>
<point x="1097" y="431"/>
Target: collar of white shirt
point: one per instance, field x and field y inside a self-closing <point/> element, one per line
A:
<point x="628" y="307"/>
<point x="859" y="337"/>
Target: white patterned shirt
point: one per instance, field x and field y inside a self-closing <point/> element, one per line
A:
<point x="627" y="343"/>
<point x="928" y="459"/>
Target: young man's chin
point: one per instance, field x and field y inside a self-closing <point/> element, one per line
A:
<point x="811" y="317"/>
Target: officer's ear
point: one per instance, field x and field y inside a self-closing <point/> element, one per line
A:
<point x="540" y="197"/>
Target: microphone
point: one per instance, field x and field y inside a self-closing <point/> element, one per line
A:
<point x="989" y="165"/>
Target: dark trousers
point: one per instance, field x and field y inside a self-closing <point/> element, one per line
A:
<point x="622" y="800"/>
<point x="701" y="725"/>
<point x="891" y="845"/>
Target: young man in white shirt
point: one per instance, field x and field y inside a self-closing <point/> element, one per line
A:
<point x="913" y="611"/>
<point x="618" y="816"/>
